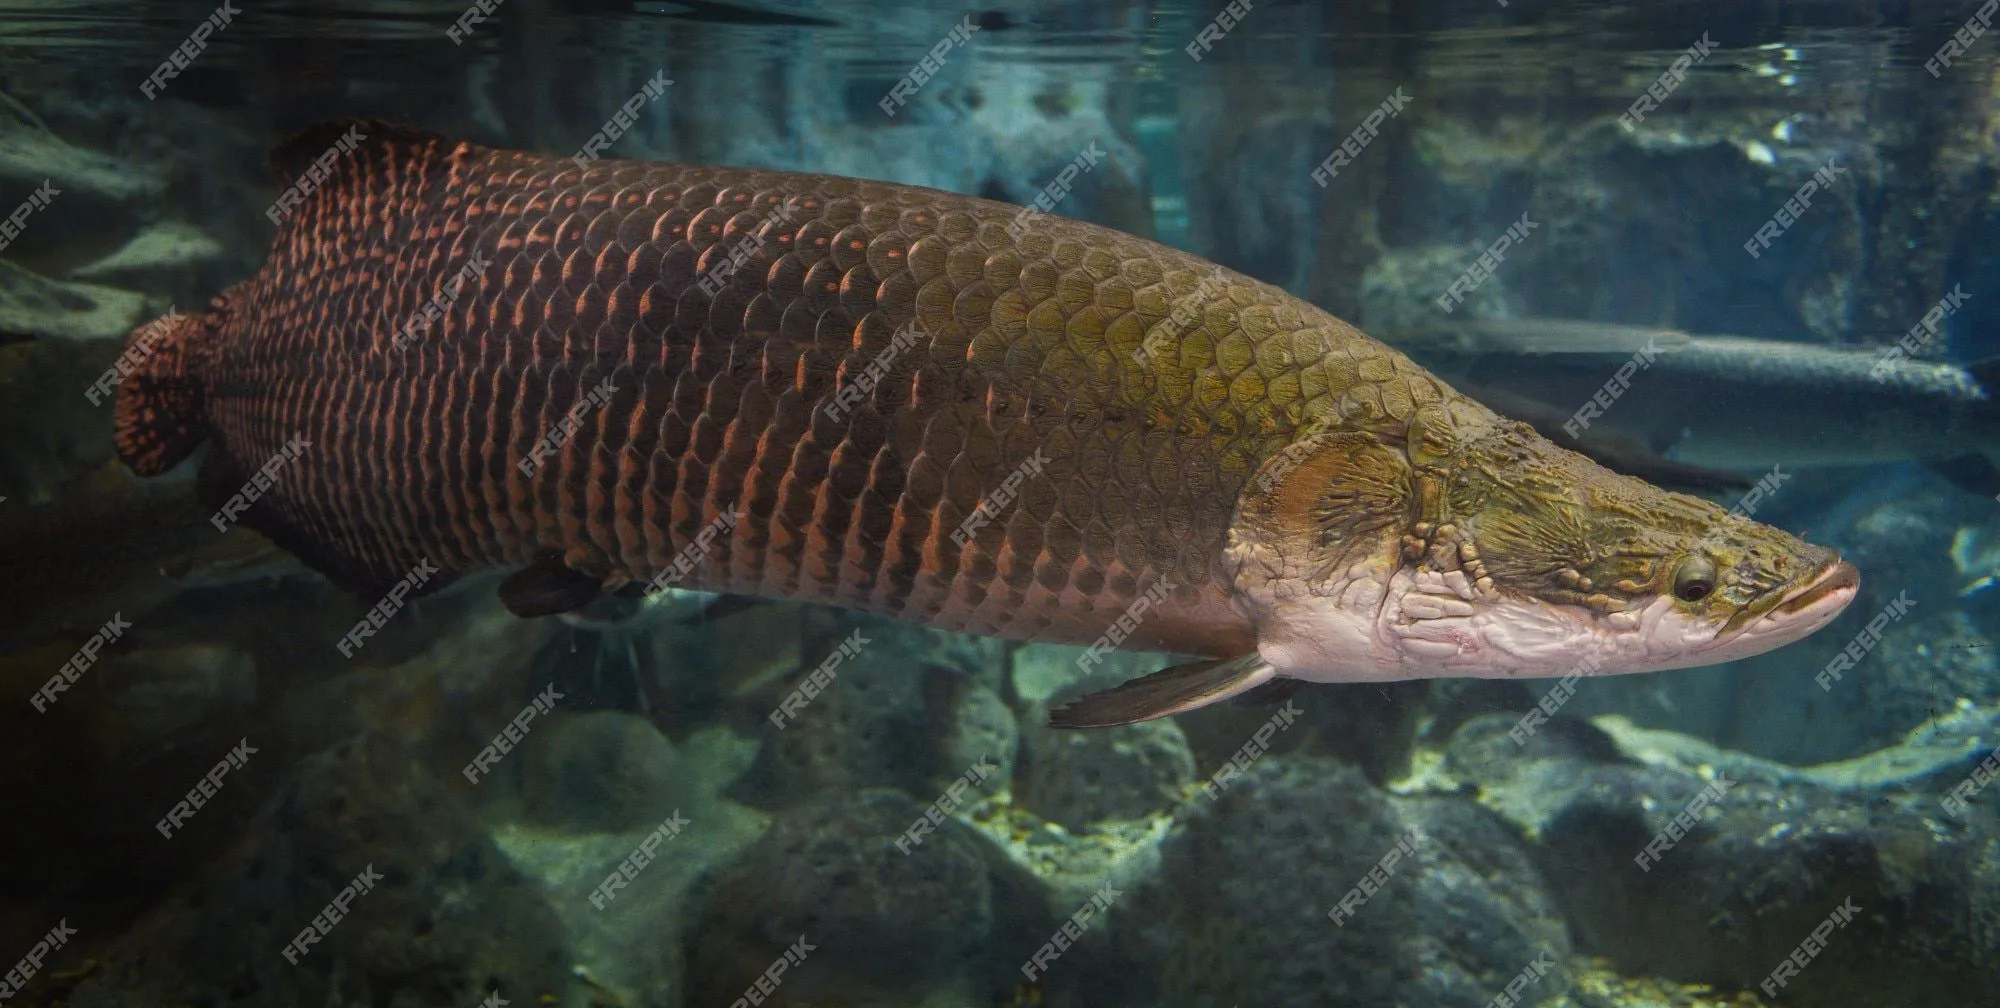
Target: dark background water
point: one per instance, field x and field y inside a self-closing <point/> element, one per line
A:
<point x="1512" y="108"/>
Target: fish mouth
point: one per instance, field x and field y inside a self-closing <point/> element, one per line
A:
<point x="1837" y="583"/>
<point x="1799" y="612"/>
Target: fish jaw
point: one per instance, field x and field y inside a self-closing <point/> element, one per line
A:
<point x="1372" y="627"/>
<point x="1800" y="612"/>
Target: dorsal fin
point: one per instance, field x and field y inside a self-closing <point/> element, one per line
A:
<point x="292" y="157"/>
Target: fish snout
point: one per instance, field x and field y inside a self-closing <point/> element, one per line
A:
<point x="1808" y="606"/>
<point x="1824" y="596"/>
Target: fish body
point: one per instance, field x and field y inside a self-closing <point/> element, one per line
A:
<point x="910" y="402"/>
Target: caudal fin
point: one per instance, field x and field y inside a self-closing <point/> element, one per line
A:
<point x="159" y="413"/>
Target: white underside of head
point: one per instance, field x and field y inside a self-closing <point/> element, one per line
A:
<point x="1420" y="625"/>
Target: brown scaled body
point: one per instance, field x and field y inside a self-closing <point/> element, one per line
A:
<point x="1028" y="340"/>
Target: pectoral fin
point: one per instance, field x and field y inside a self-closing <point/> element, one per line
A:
<point x="547" y="587"/>
<point x="1168" y="691"/>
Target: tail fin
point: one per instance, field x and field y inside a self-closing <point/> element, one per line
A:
<point x="160" y="417"/>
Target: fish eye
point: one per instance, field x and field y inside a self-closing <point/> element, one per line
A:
<point x="1694" y="579"/>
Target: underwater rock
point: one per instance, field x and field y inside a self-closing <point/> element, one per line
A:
<point x="867" y="726"/>
<point x="141" y="726"/>
<point x="433" y="913"/>
<point x="1239" y="913"/>
<point x="727" y="655"/>
<point x="1924" y="669"/>
<point x="1761" y="856"/>
<point x="599" y="771"/>
<point x="33" y="306"/>
<point x="875" y="703"/>
<point x="1082" y="778"/>
<point x="1042" y="119"/>
<point x="167" y="259"/>
<point x="1399" y="289"/>
<point x="1036" y="672"/>
<point x="628" y="935"/>
<point x="982" y="733"/>
<point x="167" y="696"/>
<point x="868" y="922"/>
<point x="95" y="202"/>
<point x="112" y="543"/>
<point x="1372" y="725"/>
<point x="54" y="434"/>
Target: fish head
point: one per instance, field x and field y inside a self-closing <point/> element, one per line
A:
<point x="1510" y="557"/>
<point x="1649" y="579"/>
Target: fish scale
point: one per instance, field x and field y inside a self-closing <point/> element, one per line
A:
<point x="1027" y="342"/>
